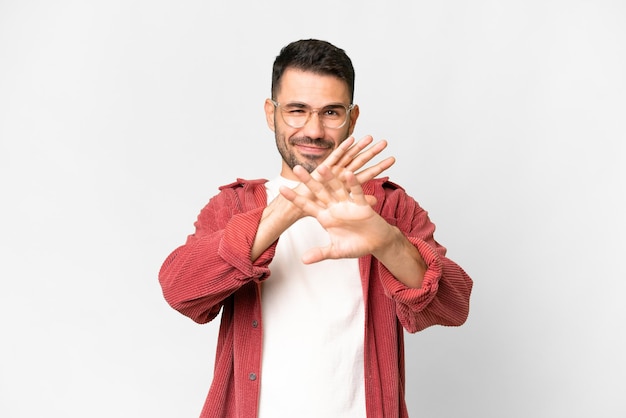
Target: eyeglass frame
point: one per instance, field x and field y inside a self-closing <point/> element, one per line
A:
<point x="348" y="110"/>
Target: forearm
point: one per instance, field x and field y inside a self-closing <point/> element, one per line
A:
<point x="279" y="215"/>
<point x="198" y="276"/>
<point x="444" y="293"/>
<point x="442" y="299"/>
<point x="196" y="285"/>
<point x="402" y="259"/>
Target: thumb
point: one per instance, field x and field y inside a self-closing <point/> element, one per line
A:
<point x="371" y="200"/>
<point x="315" y="255"/>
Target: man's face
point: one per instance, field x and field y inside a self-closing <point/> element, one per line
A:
<point x="309" y="145"/>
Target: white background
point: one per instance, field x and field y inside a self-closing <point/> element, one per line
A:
<point x="119" y="120"/>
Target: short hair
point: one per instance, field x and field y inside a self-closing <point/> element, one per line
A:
<point x="316" y="56"/>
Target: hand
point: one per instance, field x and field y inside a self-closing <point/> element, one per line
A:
<point x="350" y="157"/>
<point x="338" y="203"/>
<point x="353" y="156"/>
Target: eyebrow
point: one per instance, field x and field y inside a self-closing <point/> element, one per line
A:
<point x="296" y="104"/>
<point x="304" y="105"/>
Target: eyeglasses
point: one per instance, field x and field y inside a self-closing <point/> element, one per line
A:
<point x="296" y="115"/>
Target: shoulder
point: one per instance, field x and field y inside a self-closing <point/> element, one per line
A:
<point x="243" y="183"/>
<point x="392" y="200"/>
<point x="243" y="194"/>
<point x="381" y="185"/>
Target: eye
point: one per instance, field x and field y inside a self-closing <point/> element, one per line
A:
<point x="334" y="112"/>
<point x="295" y="109"/>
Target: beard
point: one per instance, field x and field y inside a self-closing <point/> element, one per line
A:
<point x="288" y="155"/>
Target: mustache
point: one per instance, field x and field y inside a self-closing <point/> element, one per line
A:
<point x="316" y="142"/>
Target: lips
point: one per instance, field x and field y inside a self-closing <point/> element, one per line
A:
<point x="311" y="146"/>
<point x="311" y="149"/>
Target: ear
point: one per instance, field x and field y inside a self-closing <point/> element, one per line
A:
<point x="269" y="114"/>
<point x="354" y="115"/>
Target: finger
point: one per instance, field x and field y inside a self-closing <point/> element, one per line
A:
<point x="306" y="205"/>
<point x="356" y="191"/>
<point x="289" y="194"/>
<point x="315" y="255"/>
<point x="335" y="186"/>
<point x="318" y="187"/>
<point x="373" y="171"/>
<point x="371" y="200"/>
<point x="364" y="157"/>
<point x="355" y="150"/>
<point x="339" y="152"/>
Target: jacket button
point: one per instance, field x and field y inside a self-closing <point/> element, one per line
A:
<point x="252" y="376"/>
<point x="255" y="323"/>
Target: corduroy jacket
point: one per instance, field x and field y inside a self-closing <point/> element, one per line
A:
<point x="212" y="271"/>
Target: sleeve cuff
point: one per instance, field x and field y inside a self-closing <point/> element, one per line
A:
<point x="236" y="245"/>
<point x="411" y="299"/>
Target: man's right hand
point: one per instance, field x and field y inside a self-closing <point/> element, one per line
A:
<point x="351" y="156"/>
<point x="280" y="214"/>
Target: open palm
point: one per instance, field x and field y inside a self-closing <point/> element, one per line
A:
<point x="343" y="210"/>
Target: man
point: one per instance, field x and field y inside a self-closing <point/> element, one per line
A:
<point x="317" y="271"/>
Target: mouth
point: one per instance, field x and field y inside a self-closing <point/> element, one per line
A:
<point x="312" y="150"/>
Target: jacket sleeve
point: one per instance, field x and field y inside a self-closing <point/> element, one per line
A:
<point x="214" y="262"/>
<point x="443" y="298"/>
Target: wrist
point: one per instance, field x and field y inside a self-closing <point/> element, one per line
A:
<point x="402" y="259"/>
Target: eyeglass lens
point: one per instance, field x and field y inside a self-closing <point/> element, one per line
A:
<point x="297" y="115"/>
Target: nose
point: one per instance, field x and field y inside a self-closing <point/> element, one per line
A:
<point x="314" y="127"/>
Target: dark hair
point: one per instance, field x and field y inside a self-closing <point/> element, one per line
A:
<point x="317" y="56"/>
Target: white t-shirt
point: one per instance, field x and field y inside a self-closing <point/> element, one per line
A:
<point x="313" y="329"/>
